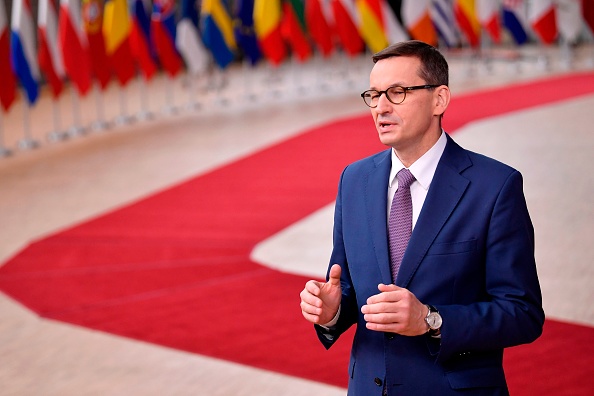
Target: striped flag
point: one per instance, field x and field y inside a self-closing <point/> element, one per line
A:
<point x="48" y="54"/>
<point x="217" y="32"/>
<point x="116" y="32"/>
<point x="318" y="26"/>
<point x="346" y="21"/>
<point x="393" y="21"/>
<point x="188" y="41"/>
<point x="7" y="78"/>
<point x="444" y="21"/>
<point x="513" y="17"/>
<point x="542" y="18"/>
<point x="415" y="14"/>
<point x="92" y="14"/>
<point x="267" y="25"/>
<point x="488" y="16"/>
<point x="163" y="35"/>
<point x="245" y="34"/>
<point x="569" y="19"/>
<point x="293" y="28"/>
<point x="465" y="13"/>
<point x="140" y="40"/>
<point x="75" y="49"/>
<point x="22" y="48"/>
<point x="371" y="25"/>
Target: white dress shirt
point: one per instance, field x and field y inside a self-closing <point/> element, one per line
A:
<point x="423" y="170"/>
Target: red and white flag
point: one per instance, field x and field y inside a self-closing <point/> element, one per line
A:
<point x="73" y="42"/>
<point x="542" y="18"/>
<point x="488" y="16"/>
<point x="92" y="15"/>
<point x="7" y="77"/>
<point x="318" y="26"/>
<point x="346" y="22"/>
<point x="48" y="54"/>
<point x="416" y="17"/>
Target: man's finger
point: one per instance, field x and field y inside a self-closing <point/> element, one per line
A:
<point x="334" y="277"/>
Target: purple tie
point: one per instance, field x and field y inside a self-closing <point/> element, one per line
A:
<point x="400" y="220"/>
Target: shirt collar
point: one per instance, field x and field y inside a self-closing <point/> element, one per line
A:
<point x="424" y="168"/>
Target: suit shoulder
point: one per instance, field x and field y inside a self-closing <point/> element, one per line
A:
<point x="369" y="162"/>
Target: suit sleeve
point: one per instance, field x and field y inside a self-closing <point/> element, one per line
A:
<point x="512" y="313"/>
<point x="348" y="311"/>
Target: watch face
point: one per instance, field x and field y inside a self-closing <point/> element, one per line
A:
<point x="434" y="320"/>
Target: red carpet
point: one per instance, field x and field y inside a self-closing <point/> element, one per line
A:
<point x="174" y="269"/>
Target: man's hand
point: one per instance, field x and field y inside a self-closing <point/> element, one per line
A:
<point x="320" y="300"/>
<point x="395" y="310"/>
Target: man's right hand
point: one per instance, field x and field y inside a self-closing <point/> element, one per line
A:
<point x="320" y="300"/>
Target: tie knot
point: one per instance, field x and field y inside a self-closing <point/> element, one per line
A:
<point x="405" y="178"/>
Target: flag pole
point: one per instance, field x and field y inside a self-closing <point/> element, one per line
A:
<point x="123" y="118"/>
<point x="144" y="113"/>
<point x="193" y="104"/>
<point x="100" y="124"/>
<point x="27" y="142"/>
<point x="76" y="128"/>
<point x="57" y="134"/>
<point x="170" y="107"/>
<point x="4" y="152"/>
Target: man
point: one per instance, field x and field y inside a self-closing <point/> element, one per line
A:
<point x="433" y="312"/>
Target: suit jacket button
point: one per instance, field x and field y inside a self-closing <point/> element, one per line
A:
<point x="377" y="381"/>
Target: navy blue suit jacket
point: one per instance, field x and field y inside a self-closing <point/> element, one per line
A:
<point x="471" y="255"/>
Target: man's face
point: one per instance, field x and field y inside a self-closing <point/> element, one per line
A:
<point x="410" y="126"/>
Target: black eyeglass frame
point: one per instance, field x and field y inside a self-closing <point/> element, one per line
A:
<point x="406" y="89"/>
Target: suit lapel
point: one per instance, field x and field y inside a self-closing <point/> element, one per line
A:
<point x="377" y="186"/>
<point x="447" y="187"/>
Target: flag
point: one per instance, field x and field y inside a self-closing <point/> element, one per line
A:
<point x="541" y="15"/>
<point x="442" y="16"/>
<point x="488" y="16"/>
<point x="416" y="17"/>
<point x="245" y="34"/>
<point x="464" y="11"/>
<point x="217" y="32"/>
<point x="187" y="39"/>
<point x="569" y="19"/>
<point x="293" y="28"/>
<point x="116" y="32"/>
<point x="393" y="23"/>
<point x="319" y="29"/>
<point x="588" y="13"/>
<point x="92" y="14"/>
<point x="267" y="25"/>
<point x="48" y="55"/>
<point x="371" y="24"/>
<point x="75" y="49"/>
<point x="22" y="48"/>
<point x="7" y="79"/>
<point x="346" y="22"/>
<point x="514" y="21"/>
<point x="163" y="36"/>
<point x="140" y="40"/>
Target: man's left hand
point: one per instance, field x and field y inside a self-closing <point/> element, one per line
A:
<point x="395" y="310"/>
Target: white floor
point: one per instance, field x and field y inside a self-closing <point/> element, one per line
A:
<point x="63" y="183"/>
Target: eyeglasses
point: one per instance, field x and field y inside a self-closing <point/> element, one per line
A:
<point x="395" y="94"/>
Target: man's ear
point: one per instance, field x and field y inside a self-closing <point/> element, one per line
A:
<point x="442" y="99"/>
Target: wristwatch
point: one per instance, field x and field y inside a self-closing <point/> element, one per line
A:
<point x="434" y="321"/>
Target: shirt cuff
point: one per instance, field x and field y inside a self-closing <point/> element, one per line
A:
<point x="333" y="322"/>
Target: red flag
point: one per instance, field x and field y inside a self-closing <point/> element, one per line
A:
<point x="344" y="19"/>
<point x="92" y="13"/>
<point x="588" y="12"/>
<point x="319" y="29"/>
<point x="116" y="32"/>
<point x="140" y="42"/>
<point x="267" y="26"/>
<point x="50" y="61"/>
<point x="543" y="20"/>
<point x="7" y="78"/>
<point x="163" y="35"/>
<point x="74" y="45"/>
<point x="293" y="29"/>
